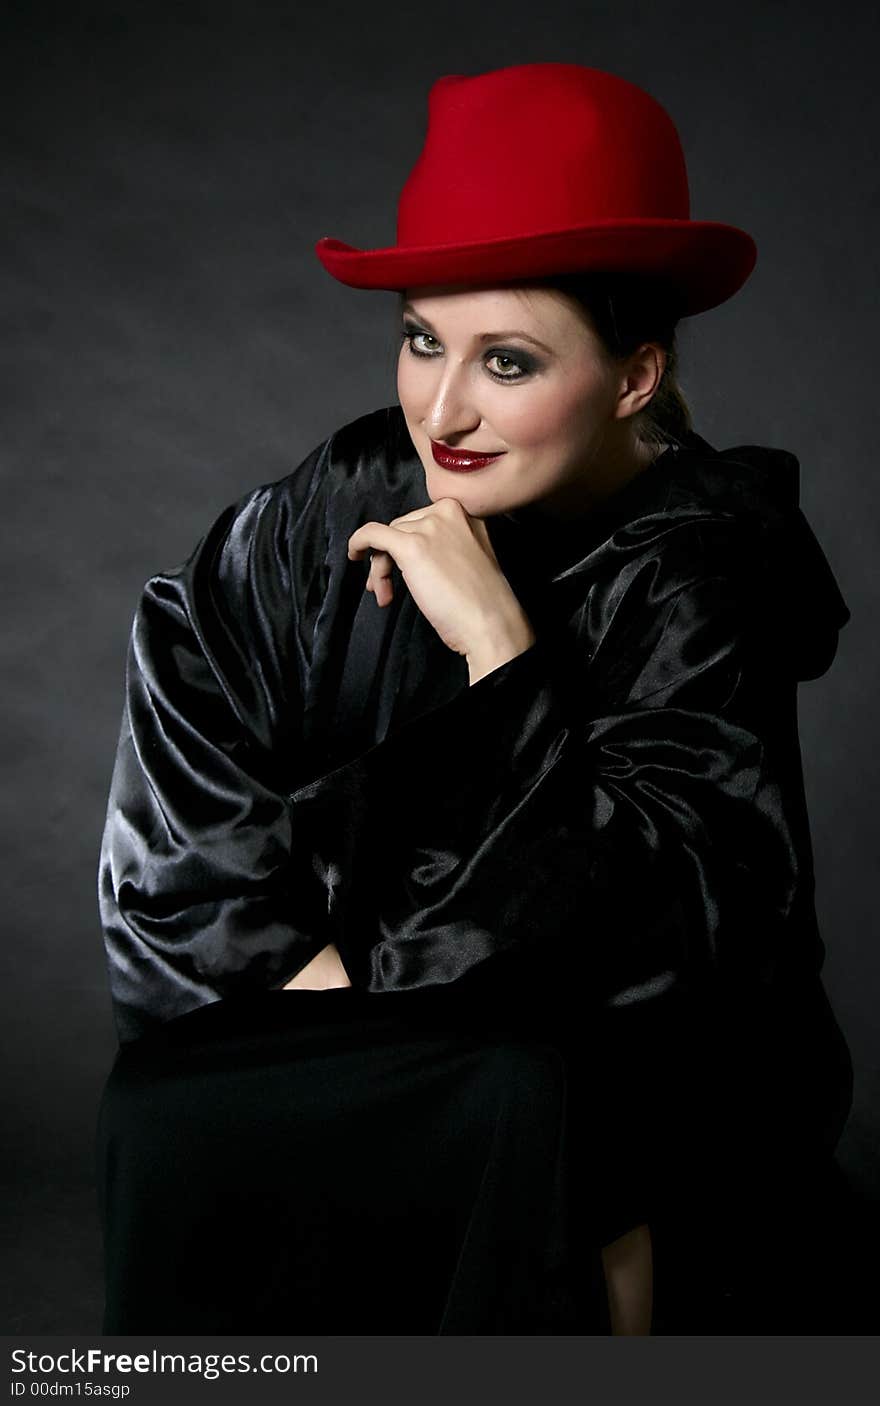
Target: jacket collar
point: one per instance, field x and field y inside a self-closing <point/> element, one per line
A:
<point x="553" y="545"/>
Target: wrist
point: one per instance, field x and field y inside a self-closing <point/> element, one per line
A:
<point x="500" y="643"/>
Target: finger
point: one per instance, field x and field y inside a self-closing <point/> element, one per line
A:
<point x="379" y="580"/>
<point x="381" y="564"/>
<point x="417" y="515"/>
<point x="442" y="507"/>
<point x="377" y="536"/>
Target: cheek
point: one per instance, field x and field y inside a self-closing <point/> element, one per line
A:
<point x="410" y="386"/>
<point x="401" y="378"/>
<point x="550" y="417"/>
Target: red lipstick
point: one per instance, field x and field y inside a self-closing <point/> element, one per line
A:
<point x="461" y="460"/>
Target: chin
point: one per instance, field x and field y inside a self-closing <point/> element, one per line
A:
<point x="475" y="501"/>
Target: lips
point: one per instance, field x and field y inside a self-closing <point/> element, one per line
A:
<point x="461" y="460"/>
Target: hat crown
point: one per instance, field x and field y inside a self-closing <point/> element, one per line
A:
<point x="544" y="169"/>
<point x="543" y="146"/>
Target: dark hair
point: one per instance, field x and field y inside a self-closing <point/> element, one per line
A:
<point x="626" y="310"/>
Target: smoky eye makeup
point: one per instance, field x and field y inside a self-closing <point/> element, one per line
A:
<point x="527" y="364"/>
<point x="410" y="330"/>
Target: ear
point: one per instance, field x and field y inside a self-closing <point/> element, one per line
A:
<point x="642" y="376"/>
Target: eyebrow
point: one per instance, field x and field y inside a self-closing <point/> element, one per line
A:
<point x="484" y="336"/>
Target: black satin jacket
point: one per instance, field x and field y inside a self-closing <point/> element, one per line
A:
<point x="619" y="809"/>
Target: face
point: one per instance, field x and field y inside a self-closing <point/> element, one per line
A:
<point x="518" y="372"/>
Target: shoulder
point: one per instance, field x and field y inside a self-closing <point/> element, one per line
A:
<point x="726" y="528"/>
<point x="696" y="509"/>
<point x="752" y="483"/>
<point x="370" y="454"/>
<point x="366" y="467"/>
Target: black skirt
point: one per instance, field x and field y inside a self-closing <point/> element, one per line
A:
<point x="436" y="1161"/>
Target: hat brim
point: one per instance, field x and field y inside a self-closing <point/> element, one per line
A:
<point x="703" y="262"/>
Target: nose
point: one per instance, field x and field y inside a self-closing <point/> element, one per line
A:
<point x="451" y="411"/>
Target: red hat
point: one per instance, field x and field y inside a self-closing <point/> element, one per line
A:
<point x="539" y="169"/>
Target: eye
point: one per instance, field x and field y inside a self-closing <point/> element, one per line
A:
<point x="523" y="365"/>
<point x="503" y="376"/>
<point x="409" y="336"/>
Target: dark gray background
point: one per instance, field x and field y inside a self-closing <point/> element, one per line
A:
<point x="170" y="341"/>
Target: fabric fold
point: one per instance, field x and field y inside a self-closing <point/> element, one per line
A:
<point x="616" y="817"/>
<point x="619" y="807"/>
<point x="201" y="893"/>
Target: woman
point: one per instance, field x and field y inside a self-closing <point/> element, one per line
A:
<point x="518" y="818"/>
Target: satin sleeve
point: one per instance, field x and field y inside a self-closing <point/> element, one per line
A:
<point x="604" y="805"/>
<point x="199" y="887"/>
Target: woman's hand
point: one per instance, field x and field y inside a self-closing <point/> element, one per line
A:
<point x="448" y="563"/>
<point x="322" y="972"/>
